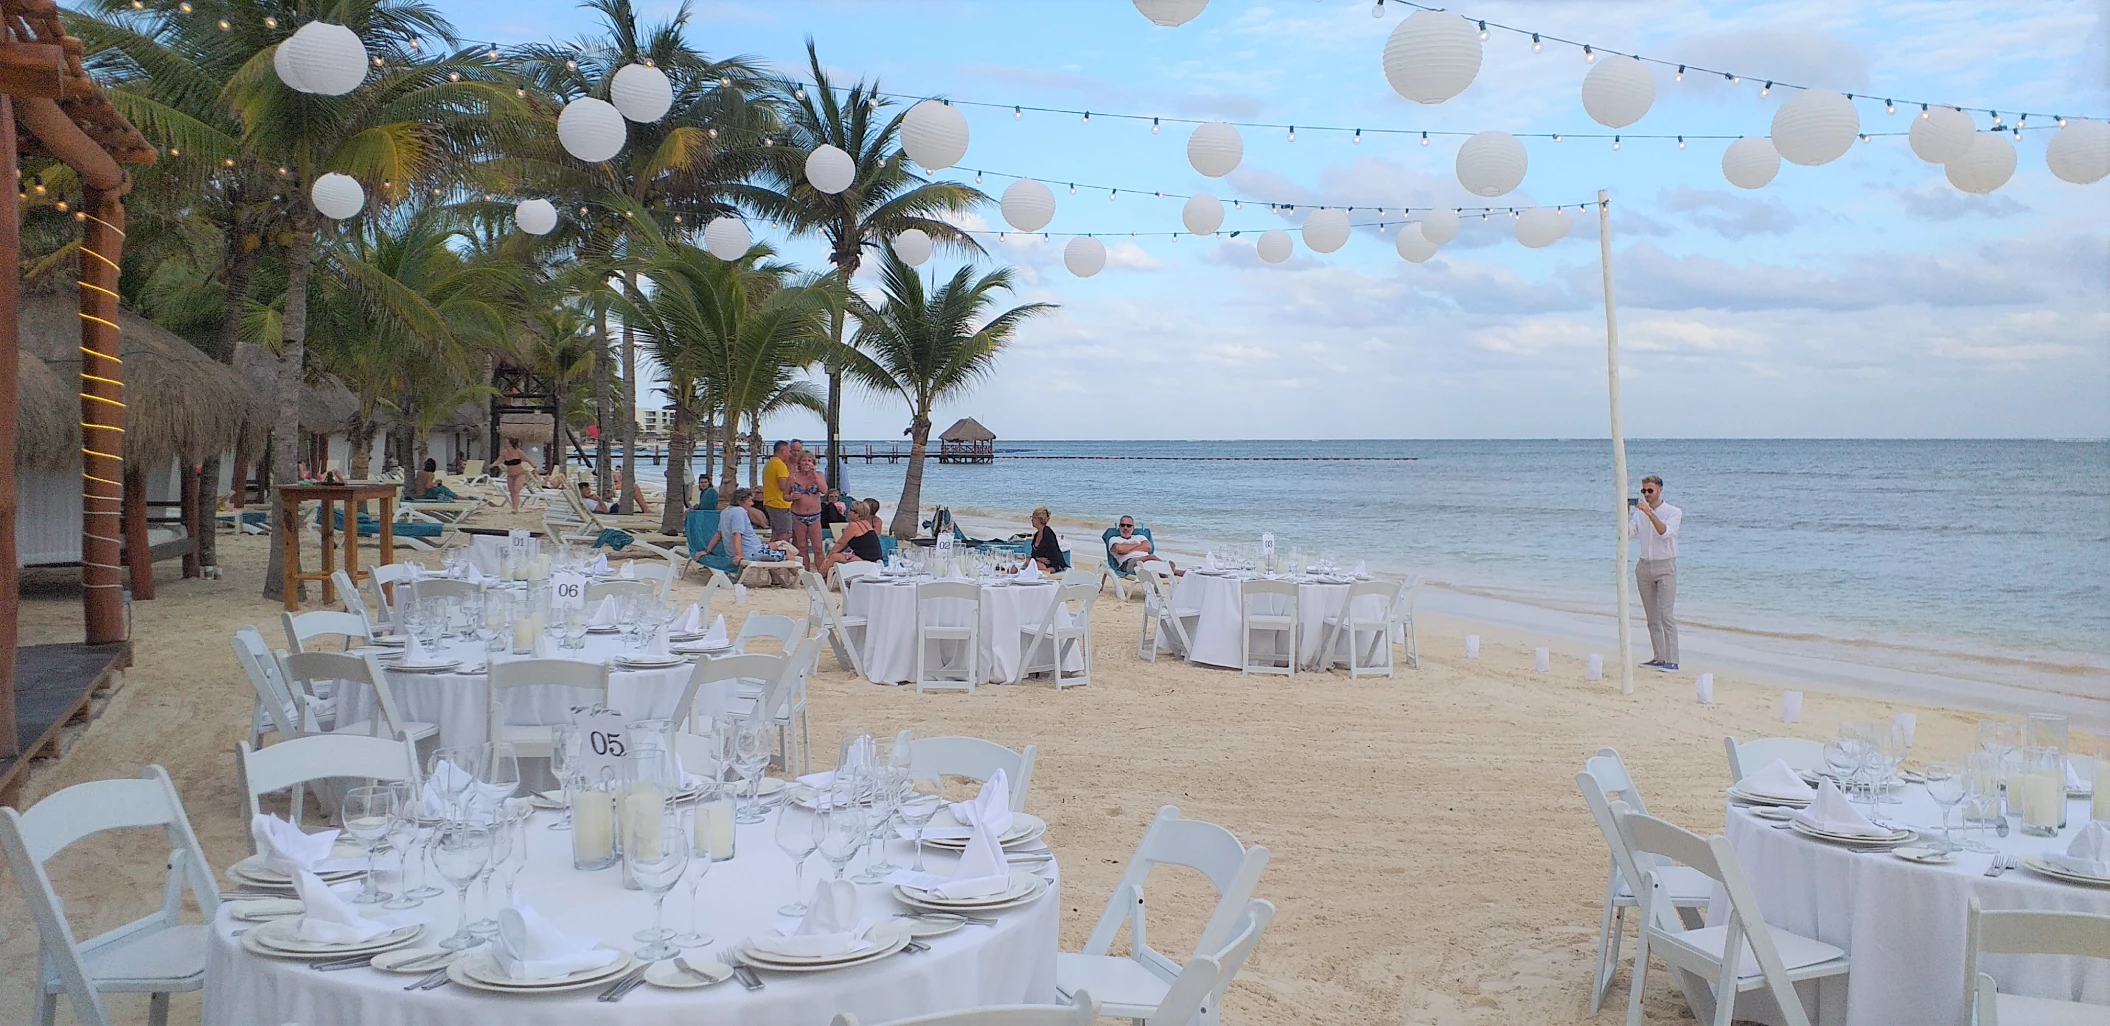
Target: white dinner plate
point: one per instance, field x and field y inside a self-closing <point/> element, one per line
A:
<point x="922" y="928"/>
<point x="1025" y="828"/>
<point x="887" y="937"/>
<point x="252" y="871"/>
<point x="663" y="974"/>
<point x="430" y="666"/>
<point x="610" y="629"/>
<point x="1923" y="856"/>
<point x="264" y="910"/>
<point x="1899" y="836"/>
<point x="389" y="641"/>
<point x="1776" y="813"/>
<point x="1752" y="798"/>
<point x="281" y="939"/>
<point x="1024" y="888"/>
<point x="651" y="662"/>
<point x="424" y="960"/>
<point x="2036" y="863"/>
<point x="479" y="970"/>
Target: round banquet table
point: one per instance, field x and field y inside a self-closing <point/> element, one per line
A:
<point x="1010" y="963"/>
<point x="888" y="605"/>
<point x="1215" y="632"/>
<point x="459" y="702"/>
<point x="1902" y="923"/>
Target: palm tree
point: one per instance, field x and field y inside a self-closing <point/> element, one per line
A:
<point x="924" y="345"/>
<point x="884" y="198"/>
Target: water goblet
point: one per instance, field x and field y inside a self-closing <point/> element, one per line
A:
<point x="919" y="802"/>
<point x="565" y="745"/>
<point x="1945" y="784"/>
<point x="842" y="836"/>
<point x="450" y="771"/>
<point x="403" y="838"/>
<point x="752" y="752"/>
<point x="461" y="851"/>
<point x="501" y="831"/>
<point x="366" y="815"/>
<point x="879" y="822"/>
<point x="798" y="834"/>
<point x="655" y="855"/>
<point x="699" y="865"/>
<point x="1982" y="775"/>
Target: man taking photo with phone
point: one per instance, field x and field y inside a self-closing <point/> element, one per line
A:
<point x="1655" y="523"/>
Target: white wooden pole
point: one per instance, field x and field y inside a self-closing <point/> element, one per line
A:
<point x="1619" y="497"/>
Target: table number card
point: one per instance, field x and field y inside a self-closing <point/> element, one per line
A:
<point x="519" y="543"/>
<point x="1267" y="546"/>
<point x="601" y="756"/>
<point x="944" y="547"/>
<point x="567" y="590"/>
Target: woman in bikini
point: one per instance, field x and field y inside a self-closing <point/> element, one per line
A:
<point x="514" y="460"/>
<point x="804" y="487"/>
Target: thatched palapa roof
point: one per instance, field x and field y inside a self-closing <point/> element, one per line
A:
<point x="325" y="404"/>
<point x="39" y="33"/>
<point x="968" y="430"/>
<point x="45" y="427"/>
<point x="178" y="401"/>
<point x="530" y="428"/>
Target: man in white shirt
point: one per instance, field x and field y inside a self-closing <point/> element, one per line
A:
<point x="1130" y="548"/>
<point x="1655" y="523"/>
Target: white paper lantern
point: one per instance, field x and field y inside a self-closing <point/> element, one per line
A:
<point x="1815" y="126"/>
<point x="1439" y="226"/>
<point x="912" y="246"/>
<point x="1202" y="214"/>
<point x="591" y="130"/>
<point x="1326" y="230"/>
<point x="934" y="135"/>
<point x="1432" y="57"/>
<point x="1215" y="149"/>
<point x="337" y="196"/>
<point x="1986" y="166"/>
<point x="641" y="92"/>
<point x="1171" y="13"/>
<point x="830" y="169"/>
<point x="1028" y="205"/>
<point x="1542" y="227"/>
<point x="1942" y="136"/>
<point x="1492" y="163"/>
<point x="535" y="216"/>
<point x="727" y="238"/>
<point x="321" y="58"/>
<point x="1617" y="92"/>
<point x="1413" y="245"/>
<point x="1274" y="246"/>
<point x="1750" y="162"/>
<point x="2080" y="152"/>
<point x="1084" y="257"/>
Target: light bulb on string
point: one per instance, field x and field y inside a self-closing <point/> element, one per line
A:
<point x="1864" y="137"/>
<point x="1996" y="119"/>
<point x="1589" y="55"/>
<point x="1536" y="46"/>
<point x="1111" y="194"/>
<point x="1681" y="73"/>
<point x="1018" y="113"/>
<point x="1765" y="89"/>
<point x="1889" y="107"/>
<point x="1923" y="112"/>
<point x="1073" y="188"/>
<point x="1733" y="79"/>
<point x="2018" y="132"/>
<point x="2061" y="121"/>
<point x="1293" y="130"/>
<point x="1153" y="126"/>
<point x="185" y="8"/>
<point x="1615" y="142"/>
<point x="225" y="24"/>
<point x="977" y="178"/>
<point x="1358" y="140"/>
<point x="1377" y="10"/>
<point x="798" y="94"/>
<point x="1087" y="117"/>
<point x="571" y="65"/>
<point x="377" y="62"/>
<point x="1681" y="142"/>
<point x="1556" y="137"/>
<point x="1424" y="138"/>
<point x="1483" y="32"/>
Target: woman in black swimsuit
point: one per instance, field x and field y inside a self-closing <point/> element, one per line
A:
<point x="514" y="459"/>
<point x="1047" y="549"/>
<point x="858" y="541"/>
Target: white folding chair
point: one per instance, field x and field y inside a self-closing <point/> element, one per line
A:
<point x="533" y="741"/>
<point x="1079" y="575"/>
<point x="1749" y="757"/>
<point x="824" y="613"/>
<point x="768" y="627"/>
<point x="599" y="590"/>
<point x="1744" y="953"/>
<point x="751" y="672"/>
<point x="1161" y="615"/>
<point x="1083" y="1010"/>
<point x="975" y="759"/>
<point x="155" y="955"/>
<point x="303" y="628"/>
<point x="929" y="631"/>
<point x="307" y="672"/>
<point x="1364" y="631"/>
<point x="2020" y="932"/>
<point x="1283" y="623"/>
<point x="1057" y="638"/>
<point x="303" y="760"/>
<point x="714" y="582"/>
<point x="1135" y="986"/>
<point x="783" y="700"/>
<point x="348" y="593"/>
<point x="384" y="586"/>
<point x="1403" y="619"/>
<point x="442" y="588"/>
<point x="276" y="707"/>
<point x="1605" y="775"/>
<point x="841" y="574"/>
<point x="660" y="574"/>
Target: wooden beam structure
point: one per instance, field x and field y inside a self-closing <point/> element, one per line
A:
<point x="10" y="345"/>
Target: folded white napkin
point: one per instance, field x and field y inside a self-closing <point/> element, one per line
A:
<point x="447" y="779"/>
<point x="739" y="594"/>
<point x="2088" y="855"/>
<point x="327" y="919"/>
<point x="1209" y="560"/>
<point x="2073" y="775"/>
<point x="599" y="564"/>
<point x="286" y="848"/>
<point x="604" y="614"/>
<point x="716" y="635"/>
<point x="657" y="647"/>
<point x="415" y="653"/>
<point x="1777" y="780"/>
<point x="629" y="572"/>
<point x="474" y="576"/>
<point x="529" y="948"/>
<point x="1029" y="572"/>
<point x="689" y="622"/>
<point x="545" y="648"/>
<point x="982" y="870"/>
<point x="831" y="926"/>
<point x="1362" y="569"/>
<point x="991" y="808"/>
<point x="1832" y="813"/>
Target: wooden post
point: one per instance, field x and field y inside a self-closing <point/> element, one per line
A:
<point x="1619" y="510"/>
<point x="10" y="372"/>
<point x="102" y="418"/>
<point x="193" y="523"/>
<point x="139" y="555"/>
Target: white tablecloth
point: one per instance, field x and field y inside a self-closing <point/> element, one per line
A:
<point x="459" y="702"/>
<point x="1902" y="924"/>
<point x="889" y="642"/>
<point x="489" y="552"/>
<point x="1010" y="963"/>
<point x="1215" y="633"/>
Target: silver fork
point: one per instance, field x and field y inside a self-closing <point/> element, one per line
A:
<point x="2001" y="864"/>
<point x="682" y="964"/>
<point x="746" y="976"/>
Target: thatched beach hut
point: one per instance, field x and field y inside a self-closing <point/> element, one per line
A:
<point x="967" y="442"/>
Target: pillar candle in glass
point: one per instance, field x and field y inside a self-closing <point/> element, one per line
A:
<point x="2036" y="792"/>
<point x="714" y="828"/>
<point x="2049" y="730"/>
<point x="593" y="826"/>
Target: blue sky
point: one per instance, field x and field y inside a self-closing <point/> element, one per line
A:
<point x="1865" y="297"/>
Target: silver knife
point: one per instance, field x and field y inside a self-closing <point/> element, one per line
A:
<point x="613" y="990"/>
<point x="421" y="982"/>
<point x="629" y="985"/>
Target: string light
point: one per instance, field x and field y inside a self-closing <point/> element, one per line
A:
<point x="1681" y="142"/>
<point x="1589" y="55"/>
<point x="1556" y="137"/>
<point x="1358" y="140"/>
<point x="1615" y="142"/>
<point x="1765" y="89"/>
<point x="1293" y="130"/>
<point x="1153" y="126"/>
<point x="1536" y="46"/>
<point x="1681" y="72"/>
<point x="1016" y="113"/>
<point x="1889" y="107"/>
<point x="269" y="23"/>
<point x="1087" y="117"/>
<point x="1424" y="138"/>
<point x="1483" y="32"/>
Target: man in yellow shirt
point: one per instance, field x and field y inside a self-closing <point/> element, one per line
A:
<point x="775" y="504"/>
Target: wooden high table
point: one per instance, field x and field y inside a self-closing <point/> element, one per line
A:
<point x="347" y="498"/>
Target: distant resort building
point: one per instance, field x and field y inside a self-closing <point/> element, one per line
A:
<point x="967" y="442"/>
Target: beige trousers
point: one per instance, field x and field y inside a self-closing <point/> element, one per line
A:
<point x="1657" y="580"/>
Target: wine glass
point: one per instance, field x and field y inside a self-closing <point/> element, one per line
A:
<point x="366" y="814"/>
<point x="919" y="802"/>
<point x="752" y="746"/>
<point x="879" y="822"/>
<point x="1981" y="797"/>
<point x="655" y="854"/>
<point x="402" y="837"/>
<point x="450" y="772"/>
<point x="798" y="833"/>
<point x="1945" y="784"/>
<point x="699" y="864"/>
<point x="1890" y="749"/>
<point x="500" y="828"/>
<point x="842" y="835"/>
<point x="565" y="744"/>
<point x="461" y="851"/>
<point x="517" y="825"/>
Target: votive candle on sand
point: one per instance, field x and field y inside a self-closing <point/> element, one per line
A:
<point x="1540" y="661"/>
<point x="1596" y="666"/>
<point x="1472" y="646"/>
<point x="2099" y="807"/>
<point x="1908" y="723"/>
<point x="1791" y="707"/>
<point x="1703" y="688"/>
